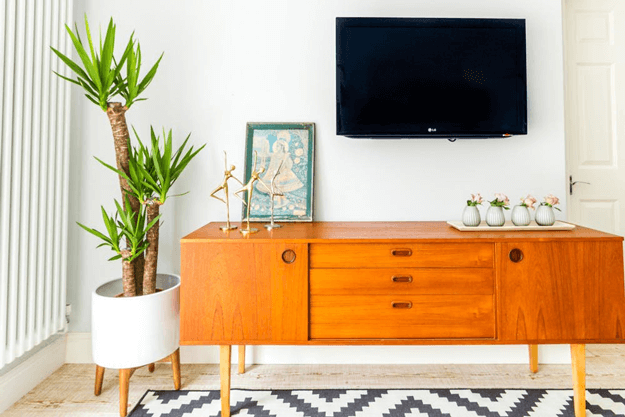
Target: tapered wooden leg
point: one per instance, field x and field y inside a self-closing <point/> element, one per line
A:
<point x="99" y="377"/>
<point x="124" y="383"/>
<point x="241" y="359"/>
<point x="578" y="360"/>
<point x="151" y="368"/>
<point x="224" y="371"/>
<point x="175" y="367"/>
<point x="533" y="350"/>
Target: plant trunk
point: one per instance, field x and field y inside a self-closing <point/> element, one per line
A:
<point x="139" y="265"/>
<point x="128" y="275"/>
<point x="151" y="253"/>
<point x="116" y="113"/>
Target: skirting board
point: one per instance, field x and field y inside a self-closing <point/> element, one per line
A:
<point x="79" y="351"/>
<point x="27" y="375"/>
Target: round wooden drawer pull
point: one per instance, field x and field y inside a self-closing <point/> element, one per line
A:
<point x="402" y="278"/>
<point x="401" y="252"/>
<point x="288" y="256"/>
<point x="516" y="255"/>
<point x="401" y="304"/>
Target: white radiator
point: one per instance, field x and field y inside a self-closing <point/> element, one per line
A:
<point x="34" y="176"/>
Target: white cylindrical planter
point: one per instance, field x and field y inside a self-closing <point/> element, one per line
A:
<point x="545" y="216"/>
<point x="129" y="332"/>
<point x="471" y="216"/>
<point x="520" y="216"/>
<point x="495" y="216"/>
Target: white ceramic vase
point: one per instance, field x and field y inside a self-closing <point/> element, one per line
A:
<point x="520" y="216"/>
<point x="129" y="332"/>
<point x="495" y="217"/>
<point x="545" y="216"/>
<point x="471" y="216"/>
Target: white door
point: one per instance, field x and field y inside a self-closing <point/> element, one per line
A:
<point x="594" y="39"/>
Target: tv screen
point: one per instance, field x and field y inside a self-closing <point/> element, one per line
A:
<point x="418" y="77"/>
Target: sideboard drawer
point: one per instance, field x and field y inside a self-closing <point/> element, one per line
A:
<point x="402" y="281"/>
<point x="385" y="255"/>
<point x="402" y="317"/>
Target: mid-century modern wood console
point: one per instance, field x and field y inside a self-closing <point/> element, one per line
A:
<point x="401" y="283"/>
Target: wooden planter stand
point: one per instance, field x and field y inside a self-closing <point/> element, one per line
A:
<point x="124" y="379"/>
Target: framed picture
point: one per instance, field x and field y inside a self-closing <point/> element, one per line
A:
<point x="286" y="152"/>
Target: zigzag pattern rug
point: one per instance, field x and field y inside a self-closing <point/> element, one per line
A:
<point x="382" y="403"/>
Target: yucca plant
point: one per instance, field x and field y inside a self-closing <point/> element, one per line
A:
<point x="103" y="78"/>
<point x="151" y="173"/>
<point x="132" y="226"/>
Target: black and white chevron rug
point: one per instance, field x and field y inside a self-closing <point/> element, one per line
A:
<point x="382" y="403"/>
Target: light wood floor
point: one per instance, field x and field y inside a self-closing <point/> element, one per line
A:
<point x="69" y="391"/>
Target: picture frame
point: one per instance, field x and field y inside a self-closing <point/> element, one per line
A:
<point x="289" y="147"/>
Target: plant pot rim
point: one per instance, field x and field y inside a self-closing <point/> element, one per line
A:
<point x="100" y="290"/>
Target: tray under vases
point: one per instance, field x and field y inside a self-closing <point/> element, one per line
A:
<point x="510" y="227"/>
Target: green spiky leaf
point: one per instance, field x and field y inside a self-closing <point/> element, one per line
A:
<point x="99" y="72"/>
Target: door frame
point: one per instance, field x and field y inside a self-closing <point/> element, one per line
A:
<point x="567" y="113"/>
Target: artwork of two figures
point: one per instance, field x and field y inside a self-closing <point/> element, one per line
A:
<point x="278" y="182"/>
<point x="285" y="149"/>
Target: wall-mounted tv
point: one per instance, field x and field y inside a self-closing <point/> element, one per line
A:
<point x="430" y="78"/>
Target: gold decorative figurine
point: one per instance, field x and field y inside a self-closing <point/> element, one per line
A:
<point x="274" y="191"/>
<point x="224" y="186"/>
<point x="249" y="187"/>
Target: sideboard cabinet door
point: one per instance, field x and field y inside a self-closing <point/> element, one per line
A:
<point x="243" y="293"/>
<point x="561" y="291"/>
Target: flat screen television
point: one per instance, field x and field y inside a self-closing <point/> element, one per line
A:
<point x="430" y="78"/>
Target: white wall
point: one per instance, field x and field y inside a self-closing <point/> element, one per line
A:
<point x="228" y="62"/>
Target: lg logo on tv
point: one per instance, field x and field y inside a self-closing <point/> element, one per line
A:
<point x="431" y="129"/>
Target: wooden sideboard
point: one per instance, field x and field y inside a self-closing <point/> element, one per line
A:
<point x="399" y="283"/>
